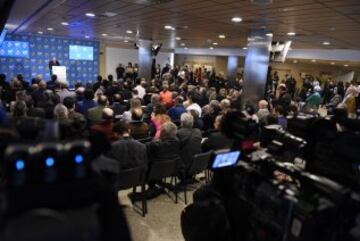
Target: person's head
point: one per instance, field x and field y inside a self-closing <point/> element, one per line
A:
<point x="155" y="99"/>
<point x="137" y="114"/>
<point x="54" y="59"/>
<point x="179" y="100"/>
<point x="143" y="82"/>
<point x="135" y="103"/>
<point x="20" y="96"/>
<point x="279" y="110"/>
<point x="69" y="103"/>
<point x="263" y="104"/>
<point x="217" y="122"/>
<point x="118" y="98"/>
<point x="165" y="87"/>
<point x="2" y="77"/>
<point x="99" y="78"/>
<point x="110" y="77"/>
<point x="60" y="112"/>
<point x="19" y="109"/>
<point x="89" y="94"/>
<point x="168" y="131"/>
<point x="103" y="100"/>
<point x="121" y="128"/>
<point x="187" y="120"/>
<point x="160" y="109"/>
<point x="317" y="89"/>
<point x="54" y="77"/>
<point x="107" y="114"/>
<point x="42" y="85"/>
<point x="225" y="105"/>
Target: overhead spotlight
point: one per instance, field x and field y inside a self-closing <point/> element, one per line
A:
<point x="65" y="23"/>
<point x="244" y="48"/>
<point x="269" y="34"/>
<point x="126" y="41"/>
<point x="129" y="31"/>
<point x="211" y="48"/>
<point x="91" y="15"/>
<point x="178" y="38"/>
<point x="182" y="44"/>
<point x="332" y="63"/>
<point x="185" y="48"/>
<point x="215" y="44"/>
<point x="291" y="33"/>
<point x="168" y="27"/>
<point x="222" y="36"/>
<point x="326" y="43"/>
<point x="314" y="60"/>
<point x="87" y="36"/>
<point x="346" y="65"/>
<point x="40" y="32"/>
<point x="236" y="19"/>
<point x="295" y="61"/>
<point x="104" y="34"/>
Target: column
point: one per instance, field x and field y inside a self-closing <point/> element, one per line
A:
<point x="232" y="67"/>
<point x="256" y="66"/>
<point x="145" y="59"/>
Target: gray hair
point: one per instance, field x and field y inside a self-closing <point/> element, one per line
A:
<point x="187" y="120"/>
<point x="60" y="112"/>
<point x="168" y="131"/>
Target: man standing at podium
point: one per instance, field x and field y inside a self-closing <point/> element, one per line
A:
<point x="52" y="63"/>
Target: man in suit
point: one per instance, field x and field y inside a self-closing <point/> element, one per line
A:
<point x="53" y="62"/>
<point x="94" y="115"/>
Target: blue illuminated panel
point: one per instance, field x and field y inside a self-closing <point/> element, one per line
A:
<point x="2" y="36"/>
<point x="80" y="52"/>
<point x="17" y="49"/>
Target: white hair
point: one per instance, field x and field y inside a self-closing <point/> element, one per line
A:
<point x="168" y="130"/>
<point x="60" y="111"/>
<point x="187" y="120"/>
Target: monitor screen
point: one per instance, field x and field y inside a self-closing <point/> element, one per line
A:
<point x="2" y="36"/>
<point x="17" y="49"/>
<point x="80" y="52"/>
<point x="226" y="159"/>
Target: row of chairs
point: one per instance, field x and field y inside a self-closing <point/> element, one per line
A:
<point x="159" y="170"/>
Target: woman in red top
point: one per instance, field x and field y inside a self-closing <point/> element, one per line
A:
<point x="166" y="96"/>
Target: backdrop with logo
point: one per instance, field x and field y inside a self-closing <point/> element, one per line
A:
<point x="15" y="60"/>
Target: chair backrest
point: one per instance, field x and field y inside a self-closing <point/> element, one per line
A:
<point x="145" y="140"/>
<point x="162" y="168"/>
<point x="199" y="163"/>
<point x="130" y="177"/>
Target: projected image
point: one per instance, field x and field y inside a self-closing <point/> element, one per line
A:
<point x="17" y="49"/>
<point x="80" y="52"/>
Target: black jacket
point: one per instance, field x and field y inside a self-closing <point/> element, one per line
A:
<point x="216" y="141"/>
<point x="190" y="144"/>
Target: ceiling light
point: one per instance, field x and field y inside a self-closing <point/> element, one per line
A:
<point x="87" y="36"/>
<point x="40" y="32"/>
<point x="222" y="36"/>
<point x="129" y="31"/>
<point x="245" y="48"/>
<point x="295" y="61"/>
<point x="291" y="33"/>
<point x="332" y="63"/>
<point x="332" y="29"/>
<point x="236" y="19"/>
<point x="211" y="48"/>
<point x="185" y="48"/>
<point x="326" y="43"/>
<point x="269" y="34"/>
<point x="346" y="65"/>
<point x="182" y="44"/>
<point x="215" y="44"/>
<point x="126" y="41"/>
<point x="178" y="38"/>
<point x="91" y="15"/>
<point x="314" y="60"/>
<point x="168" y="27"/>
<point x="104" y="34"/>
<point x="65" y="23"/>
<point x="50" y="29"/>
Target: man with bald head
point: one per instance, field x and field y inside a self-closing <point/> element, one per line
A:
<point x="106" y="125"/>
<point x="139" y="129"/>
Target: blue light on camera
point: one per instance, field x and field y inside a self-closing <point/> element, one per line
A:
<point x="79" y="159"/>
<point x="49" y="162"/>
<point x="20" y="165"/>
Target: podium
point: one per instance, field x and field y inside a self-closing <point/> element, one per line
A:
<point x="60" y="72"/>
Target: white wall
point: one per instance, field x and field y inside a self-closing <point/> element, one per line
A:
<point x="114" y="56"/>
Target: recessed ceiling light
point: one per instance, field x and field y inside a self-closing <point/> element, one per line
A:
<point x="178" y="38"/>
<point x="126" y="41"/>
<point x="91" y="15"/>
<point x="87" y="36"/>
<point x="314" y="60"/>
<point x="215" y="43"/>
<point x="40" y="32"/>
<point x="245" y="48"/>
<point x="104" y="34"/>
<point x="346" y="65"/>
<point x="211" y="48"/>
<point x="50" y="29"/>
<point x="168" y="27"/>
<point x="236" y="19"/>
<point x="332" y="29"/>
<point x="185" y="48"/>
<point x="129" y="31"/>
<point x="269" y="34"/>
<point x="222" y="36"/>
<point x="65" y="23"/>
<point x="326" y="43"/>
<point x="295" y="61"/>
<point x="291" y="33"/>
<point x="332" y="63"/>
<point x="182" y="44"/>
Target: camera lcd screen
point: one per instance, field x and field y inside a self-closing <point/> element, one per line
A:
<point x="226" y="159"/>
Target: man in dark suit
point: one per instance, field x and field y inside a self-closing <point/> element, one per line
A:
<point x="216" y="139"/>
<point x="53" y="62"/>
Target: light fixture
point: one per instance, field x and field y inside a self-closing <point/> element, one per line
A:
<point x="244" y="48"/>
<point x="50" y="29"/>
<point x="182" y="44"/>
<point x="65" y="23"/>
<point x="185" y="48"/>
<point x="222" y="36"/>
<point x="236" y="19"/>
<point x="126" y="41"/>
<point x="87" y="36"/>
<point x="168" y="27"/>
<point x="295" y="61"/>
<point x="40" y="32"/>
<point x="346" y="65"/>
<point x="326" y="43"/>
<point x="215" y="43"/>
<point x="269" y="34"/>
<point x="104" y="34"/>
<point x="129" y="31"/>
<point x="314" y="60"/>
<point x="91" y="15"/>
<point x="291" y="33"/>
<point x="178" y="38"/>
<point x="332" y="63"/>
<point x="211" y="48"/>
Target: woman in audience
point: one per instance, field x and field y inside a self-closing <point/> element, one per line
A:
<point x="158" y="118"/>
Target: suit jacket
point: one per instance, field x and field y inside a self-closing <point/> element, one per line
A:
<point x="94" y="114"/>
<point x="139" y="129"/>
<point x="51" y="64"/>
<point x="167" y="149"/>
<point x="190" y="144"/>
<point x="216" y="141"/>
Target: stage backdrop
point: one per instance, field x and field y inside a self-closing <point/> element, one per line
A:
<point x="41" y="50"/>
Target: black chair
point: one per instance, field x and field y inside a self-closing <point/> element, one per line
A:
<point x="200" y="163"/>
<point x="131" y="178"/>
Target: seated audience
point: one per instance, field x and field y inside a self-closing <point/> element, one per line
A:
<point x="88" y="102"/>
<point x="263" y="111"/>
<point x="106" y="124"/>
<point x="135" y="103"/>
<point x="166" y="96"/>
<point x="177" y="110"/>
<point x="216" y="140"/>
<point x="94" y="115"/>
<point x="193" y="105"/>
<point x="139" y="129"/>
<point x="118" y="105"/>
<point x="158" y="118"/>
<point x="64" y="92"/>
<point x="281" y="116"/>
<point x="314" y="99"/>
